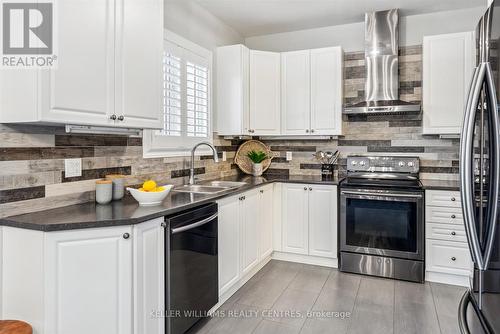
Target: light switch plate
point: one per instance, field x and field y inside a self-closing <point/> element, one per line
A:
<point x="224" y="155"/>
<point x="288" y="156"/>
<point x="72" y="167"/>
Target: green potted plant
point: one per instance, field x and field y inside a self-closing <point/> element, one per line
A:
<point x="257" y="157"/>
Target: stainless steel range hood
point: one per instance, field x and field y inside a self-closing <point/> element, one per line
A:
<point x="381" y="57"/>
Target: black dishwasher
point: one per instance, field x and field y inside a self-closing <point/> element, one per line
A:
<point x="191" y="276"/>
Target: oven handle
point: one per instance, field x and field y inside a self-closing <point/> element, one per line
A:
<point x="194" y="225"/>
<point x="380" y="194"/>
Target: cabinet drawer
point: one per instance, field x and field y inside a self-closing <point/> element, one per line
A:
<point x="448" y="257"/>
<point x="436" y="214"/>
<point x="445" y="232"/>
<point x="443" y="198"/>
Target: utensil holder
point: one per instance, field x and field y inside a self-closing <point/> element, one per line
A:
<point x="327" y="171"/>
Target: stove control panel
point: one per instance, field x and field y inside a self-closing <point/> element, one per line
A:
<point x="409" y="165"/>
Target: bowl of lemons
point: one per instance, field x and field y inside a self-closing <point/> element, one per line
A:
<point x="150" y="193"/>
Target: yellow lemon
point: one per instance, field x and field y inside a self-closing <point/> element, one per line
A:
<point x="149" y="185"/>
<point x="141" y="189"/>
<point x="158" y="189"/>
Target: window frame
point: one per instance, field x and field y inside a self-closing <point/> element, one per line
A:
<point x="159" y="146"/>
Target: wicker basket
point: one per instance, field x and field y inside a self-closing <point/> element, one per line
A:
<point x="242" y="160"/>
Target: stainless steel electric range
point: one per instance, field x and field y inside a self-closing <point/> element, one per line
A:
<point x="382" y="218"/>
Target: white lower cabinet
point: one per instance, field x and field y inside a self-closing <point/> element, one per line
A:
<point x="309" y="220"/>
<point x="249" y="236"/>
<point x="85" y="281"/>
<point x="245" y="235"/>
<point x="447" y="255"/>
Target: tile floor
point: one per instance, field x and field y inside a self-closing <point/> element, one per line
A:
<point x="276" y="300"/>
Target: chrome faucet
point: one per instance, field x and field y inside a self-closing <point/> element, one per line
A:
<point x="191" y="170"/>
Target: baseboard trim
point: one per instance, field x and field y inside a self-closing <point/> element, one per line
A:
<point x="459" y="280"/>
<point x="306" y="259"/>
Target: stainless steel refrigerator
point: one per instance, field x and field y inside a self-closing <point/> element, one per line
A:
<point x="479" y="309"/>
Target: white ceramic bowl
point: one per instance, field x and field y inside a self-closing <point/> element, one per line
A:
<point x="150" y="198"/>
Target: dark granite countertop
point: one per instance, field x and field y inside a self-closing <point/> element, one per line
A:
<point x="441" y="185"/>
<point x="127" y="211"/>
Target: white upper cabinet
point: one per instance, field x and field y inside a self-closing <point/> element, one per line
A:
<point x="138" y="73"/>
<point x="81" y="89"/>
<point x="312" y="92"/>
<point x="296" y="92"/>
<point x="108" y="73"/>
<point x="326" y="91"/>
<point x="232" y="101"/>
<point x="265" y="83"/>
<point x="448" y="64"/>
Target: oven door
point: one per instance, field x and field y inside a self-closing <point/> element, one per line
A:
<point x="381" y="222"/>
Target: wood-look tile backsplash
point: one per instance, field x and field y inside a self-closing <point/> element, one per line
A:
<point x="32" y="157"/>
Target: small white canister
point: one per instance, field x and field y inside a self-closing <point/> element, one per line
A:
<point x="118" y="185"/>
<point x="103" y="191"/>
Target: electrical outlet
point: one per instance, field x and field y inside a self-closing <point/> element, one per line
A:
<point x="224" y="155"/>
<point x="288" y="156"/>
<point x="72" y="167"/>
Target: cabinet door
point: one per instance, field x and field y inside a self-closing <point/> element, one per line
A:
<point x="228" y="243"/>
<point x="232" y="90"/>
<point x="81" y="89"/>
<point x="149" y="272"/>
<point x="88" y="281"/>
<point x="265" y="77"/>
<point x="448" y="64"/>
<point x="295" y="92"/>
<point x="249" y="236"/>
<point x="295" y="218"/>
<point x="266" y="205"/>
<point x="326" y="91"/>
<point x="323" y="221"/>
<point x="139" y="52"/>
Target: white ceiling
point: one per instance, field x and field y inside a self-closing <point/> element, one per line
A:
<point x="259" y="17"/>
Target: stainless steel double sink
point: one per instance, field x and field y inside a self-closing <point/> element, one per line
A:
<point x="210" y="187"/>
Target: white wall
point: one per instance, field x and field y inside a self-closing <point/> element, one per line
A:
<point x="193" y="22"/>
<point x="351" y="36"/>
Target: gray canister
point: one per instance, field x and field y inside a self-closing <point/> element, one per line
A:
<point x="118" y="186"/>
<point x="103" y="191"/>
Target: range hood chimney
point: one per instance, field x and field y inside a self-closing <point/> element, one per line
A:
<point x="381" y="57"/>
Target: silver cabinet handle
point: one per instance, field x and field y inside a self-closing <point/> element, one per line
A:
<point x="113" y="117"/>
<point x="307" y="130"/>
<point x="312" y="130"/>
<point x="453" y="199"/>
<point x="453" y="216"/>
<point x="310" y="189"/>
<point x="163" y="224"/>
<point x="305" y="188"/>
<point x="453" y="258"/>
<point x="453" y="233"/>
<point x="261" y="191"/>
<point x="194" y="225"/>
<point x="121" y="118"/>
<point x="126" y="235"/>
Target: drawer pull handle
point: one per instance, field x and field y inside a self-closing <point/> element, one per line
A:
<point x="305" y="188"/>
<point x="453" y="258"/>
<point x="453" y="199"/>
<point x="453" y="216"/>
<point x="310" y="189"/>
<point x="126" y="235"/>
<point x="453" y="233"/>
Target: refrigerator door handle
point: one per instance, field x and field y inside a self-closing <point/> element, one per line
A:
<point x="466" y="165"/>
<point x="494" y="157"/>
